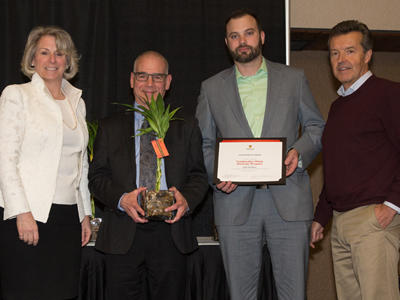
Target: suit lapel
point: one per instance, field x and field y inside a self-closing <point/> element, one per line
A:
<point x="129" y="132"/>
<point x="233" y="101"/>
<point x="275" y="83"/>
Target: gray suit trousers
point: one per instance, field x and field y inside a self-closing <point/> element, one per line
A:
<point x="287" y="242"/>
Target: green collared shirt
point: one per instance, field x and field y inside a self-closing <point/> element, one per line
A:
<point x="253" y="94"/>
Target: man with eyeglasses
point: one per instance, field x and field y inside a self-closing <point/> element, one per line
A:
<point x="142" y="253"/>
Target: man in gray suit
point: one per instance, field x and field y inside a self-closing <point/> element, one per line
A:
<point x="259" y="98"/>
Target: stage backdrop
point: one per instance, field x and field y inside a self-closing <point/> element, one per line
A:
<point x="109" y="34"/>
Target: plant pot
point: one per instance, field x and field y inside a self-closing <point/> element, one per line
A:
<point x="154" y="205"/>
<point x="94" y="225"/>
<point x="215" y="233"/>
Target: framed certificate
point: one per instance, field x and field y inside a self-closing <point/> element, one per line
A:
<point x="250" y="161"/>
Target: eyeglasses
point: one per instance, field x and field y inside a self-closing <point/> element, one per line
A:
<point x="143" y="76"/>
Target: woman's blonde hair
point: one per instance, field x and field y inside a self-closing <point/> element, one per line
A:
<point x="64" y="44"/>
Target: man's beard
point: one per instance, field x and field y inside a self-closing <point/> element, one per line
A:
<point x="246" y="57"/>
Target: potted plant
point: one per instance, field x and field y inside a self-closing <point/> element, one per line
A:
<point x="158" y="116"/>
<point x="94" y="222"/>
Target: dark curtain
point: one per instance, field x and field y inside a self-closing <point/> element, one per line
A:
<point x="109" y="34"/>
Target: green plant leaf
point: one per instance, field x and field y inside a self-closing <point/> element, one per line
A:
<point x="129" y="107"/>
<point x="159" y="118"/>
<point x="172" y="114"/>
<point x="160" y="105"/>
<point x="92" y="130"/>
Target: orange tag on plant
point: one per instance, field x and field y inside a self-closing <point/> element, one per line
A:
<point x="159" y="148"/>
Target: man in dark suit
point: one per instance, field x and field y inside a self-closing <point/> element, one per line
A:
<point x="140" y="252"/>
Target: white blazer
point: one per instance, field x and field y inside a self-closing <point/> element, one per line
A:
<point x="31" y="137"/>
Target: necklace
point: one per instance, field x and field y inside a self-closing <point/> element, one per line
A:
<point x="64" y="114"/>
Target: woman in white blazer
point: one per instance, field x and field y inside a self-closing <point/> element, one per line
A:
<point x="44" y="198"/>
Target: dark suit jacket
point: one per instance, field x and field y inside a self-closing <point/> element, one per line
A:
<point x="113" y="172"/>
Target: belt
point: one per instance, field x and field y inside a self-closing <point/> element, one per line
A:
<point x="262" y="186"/>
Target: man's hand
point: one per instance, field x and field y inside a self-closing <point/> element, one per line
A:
<point x="384" y="214"/>
<point x="27" y="229"/>
<point x="86" y="230"/>
<point x="291" y="161"/>
<point x="180" y="205"/>
<point x="316" y="233"/>
<point x="131" y="206"/>
<point x="226" y="186"/>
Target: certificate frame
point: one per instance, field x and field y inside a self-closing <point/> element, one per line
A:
<point x="281" y="141"/>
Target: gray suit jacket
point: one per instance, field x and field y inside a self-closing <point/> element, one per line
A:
<point x="290" y="106"/>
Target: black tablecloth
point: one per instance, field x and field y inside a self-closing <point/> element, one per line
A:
<point x="206" y="276"/>
<point x="92" y="280"/>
